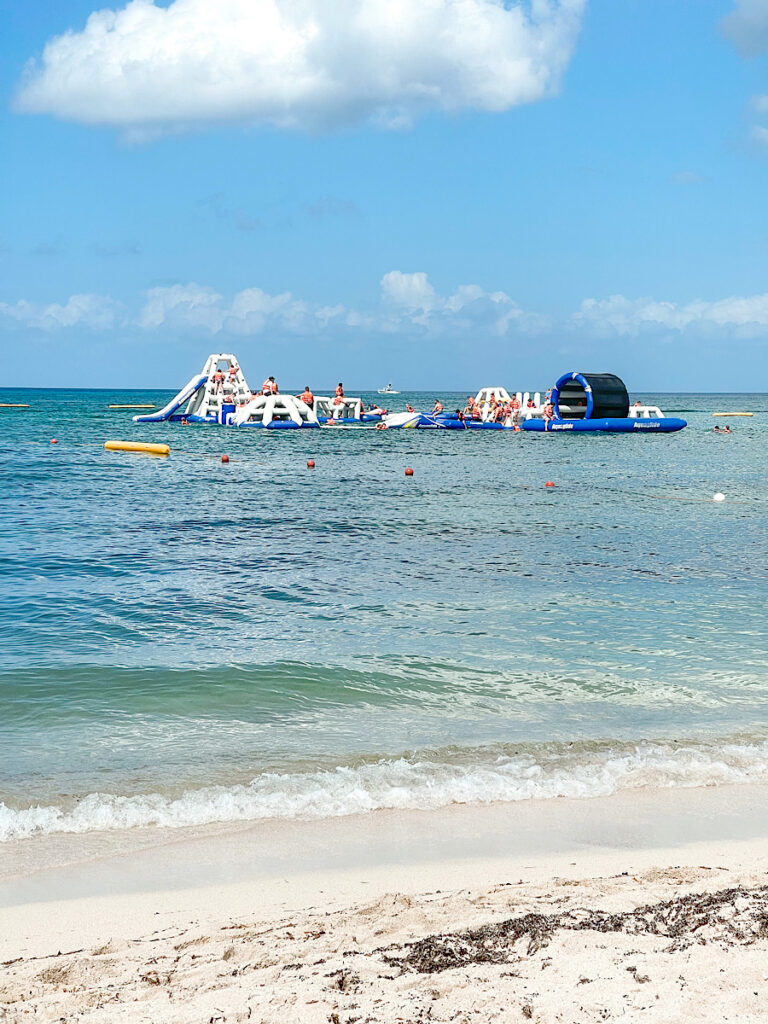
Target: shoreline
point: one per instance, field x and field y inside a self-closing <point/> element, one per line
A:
<point x="65" y="866"/>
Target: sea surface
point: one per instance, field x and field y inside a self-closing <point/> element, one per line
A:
<point x="184" y="641"/>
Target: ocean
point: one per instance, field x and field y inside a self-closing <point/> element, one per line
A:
<point x="186" y="641"/>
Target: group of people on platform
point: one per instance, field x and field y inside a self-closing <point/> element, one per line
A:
<point x="494" y="410"/>
<point x="220" y="378"/>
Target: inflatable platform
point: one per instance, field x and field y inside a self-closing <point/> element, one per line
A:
<point x="220" y="394"/>
<point x="599" y="402"/>
<point x="209" y="397"/>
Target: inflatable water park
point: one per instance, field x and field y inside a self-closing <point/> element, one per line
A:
<point x="577" y="403"/>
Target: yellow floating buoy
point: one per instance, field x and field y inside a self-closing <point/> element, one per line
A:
<point x="137" y="446"/>
<point x="150" y="406"/>
<point x="13" y="405"/>
<point x="733" y="414"/>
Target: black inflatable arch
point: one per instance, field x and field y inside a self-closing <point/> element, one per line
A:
<point x="590" y="396"/>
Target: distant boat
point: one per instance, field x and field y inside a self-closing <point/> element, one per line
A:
<point x="388" y="390"/>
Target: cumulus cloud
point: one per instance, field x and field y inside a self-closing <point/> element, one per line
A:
<point x="617" y="315"/>
<point x="250" y="311"/>
<point x="410" y="305"/>
<point x="411" y="299"/>
<point x="94" y="312"/>
<point x="747" y="26"/>
<point x="310" y="64"/>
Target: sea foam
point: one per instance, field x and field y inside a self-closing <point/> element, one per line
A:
<point x="405" y="784"/>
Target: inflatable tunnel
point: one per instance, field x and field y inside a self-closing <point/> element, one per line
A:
<point x="590" y="396"/>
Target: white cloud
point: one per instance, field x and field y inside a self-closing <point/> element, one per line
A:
<point x="744" y="316"/>
<point x="310" y="64"/>
<point x="410" y="306"/>
<point x="409" y="292"/>
<point x="95" y="312"/>
<point x="411" y="299"/>
<point x="747" y="26"/>
<point x="250" y="311"/>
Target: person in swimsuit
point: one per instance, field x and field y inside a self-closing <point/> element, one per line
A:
<point x="438" y="406"/>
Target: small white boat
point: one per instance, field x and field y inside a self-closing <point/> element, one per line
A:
<point x="388" y="390"/>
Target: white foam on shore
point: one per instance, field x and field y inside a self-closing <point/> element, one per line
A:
<point x="404" y="784"/>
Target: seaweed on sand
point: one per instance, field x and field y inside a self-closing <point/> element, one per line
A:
<point x="735" y="916"/>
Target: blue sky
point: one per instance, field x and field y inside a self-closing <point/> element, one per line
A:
<point x="417" y="198"/>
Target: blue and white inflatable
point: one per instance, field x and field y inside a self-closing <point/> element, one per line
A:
<point x="589" y="402"/>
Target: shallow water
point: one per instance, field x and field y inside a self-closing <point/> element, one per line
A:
<point x="185" y="641"/>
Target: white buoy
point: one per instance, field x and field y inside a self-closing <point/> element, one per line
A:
<point x="718" y="497"/>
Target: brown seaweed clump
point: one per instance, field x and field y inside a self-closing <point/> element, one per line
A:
<point x="731" y="917"/>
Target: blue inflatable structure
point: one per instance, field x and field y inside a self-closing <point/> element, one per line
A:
<point x="589" y="402"/>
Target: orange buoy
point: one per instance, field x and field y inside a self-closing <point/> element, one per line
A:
<point x="54" y="441"/>
<point x="549" y="483"/>
<point x="310" y="463"/>
<point x="408" y="471"/>
<point x="225" y="458"/>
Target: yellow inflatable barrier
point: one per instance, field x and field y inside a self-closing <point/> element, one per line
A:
<point x="733" y="414"/>
<point x="137" y="446"/>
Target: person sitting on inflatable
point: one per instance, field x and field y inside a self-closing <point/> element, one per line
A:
<point x="409" y="407"/>
<point x="438" y="406"/>
<point x="269" y="387"/>
<point x="306" y="396"/>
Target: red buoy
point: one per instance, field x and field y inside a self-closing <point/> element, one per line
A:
<point x="549" y="483"/>
<point x="310" y="463"/>
<point x="225" y="458"/>
<point x="408" y="471"/>
<point x="54" y="441"/>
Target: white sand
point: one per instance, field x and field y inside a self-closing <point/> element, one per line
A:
<point x="332" y="945"/>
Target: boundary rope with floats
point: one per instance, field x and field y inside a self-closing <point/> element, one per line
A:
<point x="150" y="448"/>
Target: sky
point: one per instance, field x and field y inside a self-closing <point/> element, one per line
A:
<point x="438" y="193"/>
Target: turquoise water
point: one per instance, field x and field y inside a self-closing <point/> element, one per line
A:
<point x="186" y="641"/>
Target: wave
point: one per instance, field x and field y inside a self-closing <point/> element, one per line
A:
<point x="405" y="784"/>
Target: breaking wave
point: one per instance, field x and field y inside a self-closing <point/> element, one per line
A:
<point x="573" y="771"/>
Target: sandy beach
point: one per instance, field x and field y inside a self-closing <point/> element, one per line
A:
<point x="580" y="933"/>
